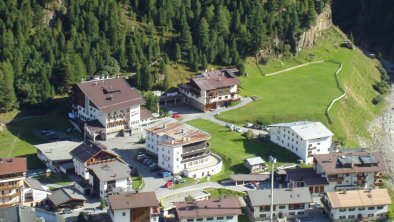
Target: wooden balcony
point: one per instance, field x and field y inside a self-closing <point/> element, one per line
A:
<point x="379" y="182"/>
<point x="8" y="195"/>
<point x="8" y="204"/>
<point x="379" y="175"/>
<point x="9" y="187"/>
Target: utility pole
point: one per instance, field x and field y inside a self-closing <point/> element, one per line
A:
<point x="273" y="161"/>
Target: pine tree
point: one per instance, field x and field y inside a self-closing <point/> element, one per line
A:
<point x="138" y="78"/>
<point x="8" y="100"/>
<point x="178" y="52"/>
<point x="166" y="82"/>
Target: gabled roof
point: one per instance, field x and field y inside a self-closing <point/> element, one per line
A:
<point x="12" y="165"/>
<point x="359" y="198"/>
<point x="34" y="184"/>
<point x="111" y="94"/>
<point x="87" y="150"/>
<point x="307" y="130"/>
<point x="350" y="162"/>
<point x="215" y="79"/>
<point x="112" y="170"/>
<point x="208" y="208"/>
<point x="306" y="175"/>
<point x="18" y="214"/>
<point x="63" y="195"/>
<point x="145" y="114"/>
<point x="255" y="161"/>
<point x="281" y="196"/>
<point x="133" y="200"/>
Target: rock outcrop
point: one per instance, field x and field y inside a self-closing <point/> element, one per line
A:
<point x="309" y="37"/>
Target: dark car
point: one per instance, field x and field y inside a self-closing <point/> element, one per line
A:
<point x="155" y="168"/>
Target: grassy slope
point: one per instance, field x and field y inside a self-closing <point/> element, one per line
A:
<point x="235" y="148"/>
<point x="304" y="93"/>
<point x="24" y="133"/>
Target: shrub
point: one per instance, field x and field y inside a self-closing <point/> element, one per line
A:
<point x="382" y="87"/>
<point x="249" y="134"/>
<point x="377" y="99"/>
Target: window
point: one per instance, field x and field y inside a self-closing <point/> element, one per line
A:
<point x="199" y="219"/>
<point x="380" y="207"/>
<point x="342" y="217"/>
<point x="190" y="220"/>
<point x="263" y="215"/>
<point x="371" y="208"/>
<point x="229" y="217"/>
<point x="351" y="216"/>
<point x="220" y="218"/>
<point x="318" y="143"/>
<point x="300" y="212"/>
<point x="282" y="206"/>
<point x="361" y="208"/>
<point x="292" y="213"/>
<point x="210" y="218"/>
<point x="370" y="215"/>
<point x="123" y="214"/>
<point x="342" y="210"/>
<point x="352" y="209"/>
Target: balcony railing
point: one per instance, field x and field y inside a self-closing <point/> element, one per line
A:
<point x="10" y="195"/>
<point x="379" y="182"/>
<point x="379" y="175"/>
<point x="197" y="157"/>
<point x="9" y="187"/>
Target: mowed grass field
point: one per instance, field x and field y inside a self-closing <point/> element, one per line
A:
<point x="305" y="93"/>
<point x="235" y="148"/>
<point x="18" y="137"/>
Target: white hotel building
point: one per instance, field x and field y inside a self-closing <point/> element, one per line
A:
<point x="107" y="108"/>
<point x="182" y="149"/>
<point x="303" y="138"/>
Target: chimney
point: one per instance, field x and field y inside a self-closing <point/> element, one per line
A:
<point x="164" y="126"/>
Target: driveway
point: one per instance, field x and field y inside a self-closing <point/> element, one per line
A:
<point x="189" y="113"/>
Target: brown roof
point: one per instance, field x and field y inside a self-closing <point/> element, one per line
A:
<point x="181" y="133"/>
<point x="341" y="162"/>
<point x="215" y="79"/>
<point x="12" y="165"/>
<point x="145" y="114"/>
<point x="359" y="198"/>
<point x="111" y="94"/>
<point x="133" y="200"/>
<point x="94" y="126"/>
<point x="307" y="175"/>
<point x="208" y="208"/>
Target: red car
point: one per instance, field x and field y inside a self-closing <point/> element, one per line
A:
<point x="176" y="115"/>
<point x="169" y="184"/>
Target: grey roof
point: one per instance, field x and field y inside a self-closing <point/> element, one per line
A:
<point x="255" y="161"/>
<point x="112" y="170"/>
<point x="281" y="196"/>
<point x="249" y="177"/>
<point x="34" y="184"/>
<point x="68" y="165"/>
<point x="307" y="130"/>
<point x="64" y="195"/>
<point x="307" y="175"/>
<point x="17" y="214"/>
<point x="87" y="150"/>
<point x="57" y="151"/>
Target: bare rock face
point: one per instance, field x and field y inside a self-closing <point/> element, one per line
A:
<point x="309" y="37"/>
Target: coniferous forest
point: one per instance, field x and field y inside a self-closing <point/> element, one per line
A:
<point x="41" y="55"/>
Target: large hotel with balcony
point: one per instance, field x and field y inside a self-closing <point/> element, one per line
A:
<point x="182" y="149"/>
<point x="12" y="177"/>
<point x="211" y="90"/>
<point x="107" y="108"/>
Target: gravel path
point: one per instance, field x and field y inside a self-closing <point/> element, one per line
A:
<point x="382" y="133"/>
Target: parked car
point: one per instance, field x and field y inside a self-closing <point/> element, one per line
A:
<point x="251" y="186"/>
<point x="147" y="161"/>
<point x="141" y="156"/>
<point x="249" y="125"/>
<point x="176" y="115"/>
<point x="169" y="184"/>
<point x="238" y="129"/>
<point x="178" y="180"/>
<point x="153" y="164"/>
<point x="141" y="153"/>
<point x="155" y="168"/>
<point x="66" y="211"/>
<point x="170" y="112"/>
<point x="166" y="174"/>
<point x="230" y="126"/>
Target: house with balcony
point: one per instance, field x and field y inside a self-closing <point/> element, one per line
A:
<point x="182" y="149"/>
<point x="357" y="205"/>
<point x="34" y="193"/>
<point x="350" y="170"/>
<point x="211" y="90"/>
<point x="303" y="138"/>
<point x="106" y="108"/>
<point x="134" y="207"/>
<point x="89" y="153"/>
<point x="288" y="203"/>
<point x="306" y="177"/>
<point x="226" y="209"/>
<point x="109" y="177"/>
<point x="12" y="177"/>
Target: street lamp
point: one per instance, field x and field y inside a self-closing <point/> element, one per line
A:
<point x="273" y="161"/>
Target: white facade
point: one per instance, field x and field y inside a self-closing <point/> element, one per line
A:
<point x="81" y="169"/>
<point x="354" y="213"/>
<point x="304" y="148"/>
<point x="262" y="213"/>
<point x="12" y="191"/>
<point x="230" y="218"/>
<point x="123" y="215"/>
<point x="33" y="196"/>
<point x="119" y="183"/>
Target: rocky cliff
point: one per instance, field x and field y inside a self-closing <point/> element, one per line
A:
<point x="309" y="37"/>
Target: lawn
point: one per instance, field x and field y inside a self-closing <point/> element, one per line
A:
<point x="18" y="137"/>
<point x="235" y="148"/>
<point x="222" y="193"/>
<point x="138" y="183"/>
<point x="304" y="93"/>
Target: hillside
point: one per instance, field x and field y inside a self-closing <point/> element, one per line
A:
<point x="305" y="93"/>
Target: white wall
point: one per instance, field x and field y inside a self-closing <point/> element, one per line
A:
<point x="336" y="213"/>
<point x="287" y="138"/>
<point x="169" y="158"/>
<point x="152" y="141"/>
<point x="286" y="212"/>
<point x="205" y="171"/>
<point x="121" y="215"/>
<point x="80" y="169"/>
<point x="233" y="218"/>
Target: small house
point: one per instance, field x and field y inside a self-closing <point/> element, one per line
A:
<point x="255" y="164"/>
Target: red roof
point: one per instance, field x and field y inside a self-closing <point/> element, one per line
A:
<point x="215" y="79"/>
<point x="12" y="165"/>
<point x="111" y="94"/>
